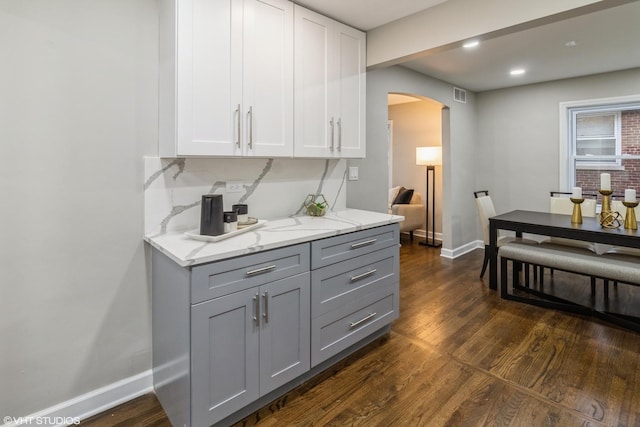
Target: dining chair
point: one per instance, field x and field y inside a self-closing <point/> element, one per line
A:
<point x="613" y="251"/>
<point x="486" y="210"/>
<point x="560" y="203"/>
<point x="617" y="206"/>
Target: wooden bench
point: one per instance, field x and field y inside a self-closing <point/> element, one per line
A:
<point x="610" y="267"/>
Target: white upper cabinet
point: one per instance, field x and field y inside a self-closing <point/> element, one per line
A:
<point x="226" y="78"/>
<point x="330" y="76"/>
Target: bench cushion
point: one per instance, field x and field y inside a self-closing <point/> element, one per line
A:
<point x="622" y="268"/>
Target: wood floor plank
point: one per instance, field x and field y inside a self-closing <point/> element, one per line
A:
<point x="461" y="356"/>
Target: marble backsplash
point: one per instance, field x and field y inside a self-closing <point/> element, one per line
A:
<point x="272" y="188"/>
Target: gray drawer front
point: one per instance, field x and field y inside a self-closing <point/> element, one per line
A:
<point x="351" y="280"/>
<point x="338" y="330"/>
<point x="224" y="277"/>
<point x="335" y="249"/>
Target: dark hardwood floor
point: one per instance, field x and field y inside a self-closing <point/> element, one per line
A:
<point x="460" y="356"/>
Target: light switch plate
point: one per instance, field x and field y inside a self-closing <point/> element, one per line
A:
<point x="353" y="173"/>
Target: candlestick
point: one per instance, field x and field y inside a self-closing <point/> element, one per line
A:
<point x="576" y="193"/>
<point x="605" y="181"/>
<point x="630" y="195"/>
<point x="576" y="216"/>
<point x="606" y="218"/>
<point x="630" y="222"/>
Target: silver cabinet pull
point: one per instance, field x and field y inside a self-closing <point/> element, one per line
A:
<point x="332" y="126"/>
<point x="256" y="309"/>
<point x="239" y="125"/>
<point x="362" y="276"/>
<point x="354" y="324"/>
<point x="265" y="296"/>
<point x="250" y="120"/>
<point x="365" y="243"/>
<point x="339" y="134"/>
<point x="260" y="270"/>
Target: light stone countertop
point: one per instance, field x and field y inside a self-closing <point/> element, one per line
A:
<point x="275" y="234"/>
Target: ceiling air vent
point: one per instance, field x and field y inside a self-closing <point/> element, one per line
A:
<point x="460" y="95"/>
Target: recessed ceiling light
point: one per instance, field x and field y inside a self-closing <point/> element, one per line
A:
<point x="570" y="43"/>
<point x="517" y="71"/>
<point x="471" y="44"/>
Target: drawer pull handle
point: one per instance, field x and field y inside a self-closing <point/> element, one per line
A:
<point x="354" y="324"/>
<point x="363" y="275"/>
<point x="260" y="270"/>
<point x="365" y="243"/>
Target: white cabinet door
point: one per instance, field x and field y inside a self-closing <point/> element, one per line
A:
<point x="350" y="92"/>
<point x="313" y="123"/>
<point x="330" y="87"/>
<point x="268" y="78"/>
<point x="226" y="78"/>
<point x="202" y="89"/>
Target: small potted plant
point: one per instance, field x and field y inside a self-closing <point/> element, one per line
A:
<point x="316" y="205"/>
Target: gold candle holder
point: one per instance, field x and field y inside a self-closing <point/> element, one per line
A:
<point x="630" y="222"/>
<point x="576" y="216"/>
<point x="606" y="204"/>
<point x="608" y="218"/>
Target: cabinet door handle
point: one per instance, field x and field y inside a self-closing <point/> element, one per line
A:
<point x="250" y="120"/>
<point x="256" y="309"/>
<point x="332" y="126"/>
<point x="370" y="316"/>
<point x="365" y="243"/>
<point x="239" y="115"/>
<point x="265" y="296"/>
<point x="260" y="270"/>
<point x="339" y="134"/>
<point x="363" y="275"/>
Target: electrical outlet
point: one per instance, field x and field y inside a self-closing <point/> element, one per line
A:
<point x="234" y="187"/>
<point x="353" y="173"/>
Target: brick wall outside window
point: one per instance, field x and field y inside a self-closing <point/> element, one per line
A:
<point x="589" y="180"/>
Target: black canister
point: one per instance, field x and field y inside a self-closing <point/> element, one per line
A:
<point x="211" y="215"/>
<point x="242" y="210"/>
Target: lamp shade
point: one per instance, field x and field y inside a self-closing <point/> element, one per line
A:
<point x="429" y="156"/>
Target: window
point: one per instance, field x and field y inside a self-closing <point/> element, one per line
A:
<point x="596" y="134"/>
<point x="600" y="135"/>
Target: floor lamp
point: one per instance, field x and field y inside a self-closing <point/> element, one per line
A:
<point x="430" y="157"/>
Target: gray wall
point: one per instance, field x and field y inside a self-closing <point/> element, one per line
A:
<point x="458" y="147"/>
<point x="78" y="112"/>
<point x="518" y="135"/>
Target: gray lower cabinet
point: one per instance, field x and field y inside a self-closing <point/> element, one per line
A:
<point x="247" y="344"/>
<point x="232" y="335"/>
<point x="354" y="288"/>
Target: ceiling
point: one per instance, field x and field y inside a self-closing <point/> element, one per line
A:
<point x="598" y="42"/>
<point x="367" y="14"/>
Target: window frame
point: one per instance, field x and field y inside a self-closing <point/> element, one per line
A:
<point x="601" y="162"/>
<point x="566" y="170"/>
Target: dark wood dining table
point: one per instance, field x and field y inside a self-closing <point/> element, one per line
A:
<point x="553" y="225"/>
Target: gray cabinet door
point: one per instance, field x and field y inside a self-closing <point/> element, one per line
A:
<point x="285" y="348"/>
<point x="225" y="352"/>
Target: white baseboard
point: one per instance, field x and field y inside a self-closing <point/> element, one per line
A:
<point x="461" y="250"/>
<point x="450" y="253"/>
<point x="419" y="232"/>
<point x="82" y="407"/>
